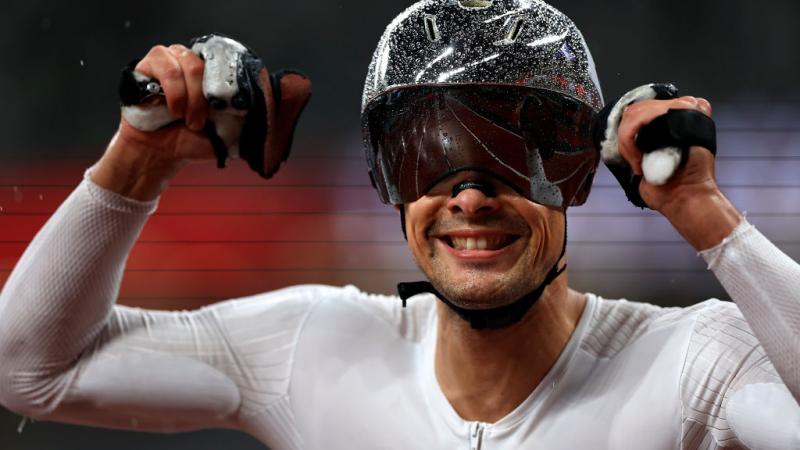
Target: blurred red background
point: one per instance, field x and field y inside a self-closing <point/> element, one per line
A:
<point x="220" y="234"/>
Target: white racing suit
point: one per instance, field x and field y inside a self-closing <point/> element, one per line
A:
<point x="318" y="367"/>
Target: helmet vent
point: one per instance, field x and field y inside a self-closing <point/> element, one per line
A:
<point x="516" y="28"/>
<point x="431" y="29"/>
<point x="475" y="3"/>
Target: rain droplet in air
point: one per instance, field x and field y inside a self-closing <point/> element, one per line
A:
<point x="127" y="24"/>
<point x="21" y="425"/>
<point x="82" y="63"/>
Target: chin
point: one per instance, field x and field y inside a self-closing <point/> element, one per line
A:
<point x="479" y="291"/>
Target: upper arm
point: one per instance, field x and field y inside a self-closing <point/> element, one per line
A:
<point x="765" y="416"/>
<point x="177" y="371"/>
<point x="729" y="386"/>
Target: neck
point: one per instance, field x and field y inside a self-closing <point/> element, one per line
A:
<point x="485" y="374"/>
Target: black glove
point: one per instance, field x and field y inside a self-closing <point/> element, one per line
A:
<point x="665" y="141"/>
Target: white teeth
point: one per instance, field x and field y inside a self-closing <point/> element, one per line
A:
<point x="478" y="243"/>
<point x="459" y="243"/>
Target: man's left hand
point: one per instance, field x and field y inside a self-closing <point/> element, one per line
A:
<point x="691" y="200"/>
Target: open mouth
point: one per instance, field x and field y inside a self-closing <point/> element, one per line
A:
<point x="479" y="242"/>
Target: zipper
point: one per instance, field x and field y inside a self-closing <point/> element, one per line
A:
<point x="476" y="436"/>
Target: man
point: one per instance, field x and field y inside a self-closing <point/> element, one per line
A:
<point x="498" y="354"/>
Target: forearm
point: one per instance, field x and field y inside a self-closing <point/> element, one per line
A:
<point x="703" y="219"/>
<point x="61" y="291"/>
<point x="765" y="284"/>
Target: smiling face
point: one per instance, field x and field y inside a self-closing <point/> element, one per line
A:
<point x="483" y="252"/>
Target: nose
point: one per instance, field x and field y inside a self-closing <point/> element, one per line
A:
<point x="473" y="197"/>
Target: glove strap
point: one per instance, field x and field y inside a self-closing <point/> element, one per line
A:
<point x="681" y="128"/>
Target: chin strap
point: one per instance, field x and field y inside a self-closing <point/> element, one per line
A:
<point x="493" y="318"/>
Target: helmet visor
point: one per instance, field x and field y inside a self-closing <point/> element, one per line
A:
<point x="536" y="141"/>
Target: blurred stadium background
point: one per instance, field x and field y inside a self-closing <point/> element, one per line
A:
<point x="225" y="234"/>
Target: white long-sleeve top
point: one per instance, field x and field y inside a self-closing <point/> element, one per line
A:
<point x="317" y="367"/>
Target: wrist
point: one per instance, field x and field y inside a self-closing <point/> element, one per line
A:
<point x="134" y="170"/>
<point x="704" y="219"/>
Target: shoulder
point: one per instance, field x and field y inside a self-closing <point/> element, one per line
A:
<point x="713" y="329"/>
<point x="275" y="306"/>
<point x="355" y="308"/>
<point x="722" y="349"/>
<point x="721" y="339"/>
<point x="292" y="307"/>
<point x="617" y="323"/>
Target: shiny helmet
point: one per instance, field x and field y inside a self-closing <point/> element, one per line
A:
<point x="503" y="87"/>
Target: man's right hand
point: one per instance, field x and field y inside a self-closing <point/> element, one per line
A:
<point x="140" y="164"/>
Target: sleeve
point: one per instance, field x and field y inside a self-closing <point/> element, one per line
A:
<point x="741" y="380"/>
<point x="68" y="354"/>
<point x="765" y="284"/>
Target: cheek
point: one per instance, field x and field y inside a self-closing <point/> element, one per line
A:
<point x="419" y="218"/>
<point x="540" y="234"/>
<point x="554" y="234"/>
<point x="546" y="228"/>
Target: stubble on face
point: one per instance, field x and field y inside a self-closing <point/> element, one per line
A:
<point x="481" y="284"/>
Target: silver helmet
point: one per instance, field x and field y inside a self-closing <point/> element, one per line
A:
<point x="450" y="54"/>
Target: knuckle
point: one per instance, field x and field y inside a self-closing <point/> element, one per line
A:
<point x="687" y="102"/>
<point x="195" y="68"/>
<point x="157" y="50"/>
<point x="631" y="113"/>
<point x="704" y="104"/>
<point x="171" y="72"/>
<point x="143" y="66"/>
<point x="630" y="110"/>
<point x="692" y="105"/>
<point x="150" y="59"/>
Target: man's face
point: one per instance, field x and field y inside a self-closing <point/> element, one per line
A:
<point x="483" y="252"/>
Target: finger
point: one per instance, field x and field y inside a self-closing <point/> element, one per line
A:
<point x="629" y="126"/>
<point x="696" y="103"/>
<point x="196" y="105"/>
<point x="162" y="65"/>
<point x="705" y="107"/>
<point x="638" y="115"/>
